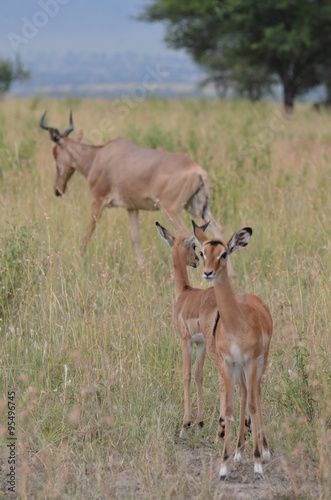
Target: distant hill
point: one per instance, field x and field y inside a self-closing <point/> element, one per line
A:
<point x="99" y="74"/>
<point x="96" y="74"/>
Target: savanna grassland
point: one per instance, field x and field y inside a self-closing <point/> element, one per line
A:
<point x="88" y="345"/>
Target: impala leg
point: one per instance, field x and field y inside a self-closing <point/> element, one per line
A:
<point x="187" y="360"/>
<point x="265" y="447"/>
<point x="96" y="210"/>
<point x="229" y="398"/>
<point x="251" y="377"/>
<point x="198" y="376"/>
<point x="134" y="231"/>
<point x="211" y="349"/>
<point x="243" y="405"/>
<point x="221" y="422"/>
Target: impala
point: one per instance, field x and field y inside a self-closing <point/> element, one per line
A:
<point x="122" y="174"/>
<point x="243" y="337"/>
<point x="195" y="318"/>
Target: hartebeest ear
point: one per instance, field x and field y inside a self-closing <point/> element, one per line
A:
<point x="240" y="239"/>
<point x="199" y="232"/>
<point x="165" y="235"/>
<point x="79" y="136"/>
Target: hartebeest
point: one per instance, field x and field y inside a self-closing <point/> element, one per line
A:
<point x="243" y="337"/>
<point x="122" y="174"/>
<point x="195" y="318"/>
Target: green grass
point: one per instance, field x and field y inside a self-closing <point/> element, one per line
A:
<point x="88" y="344"/>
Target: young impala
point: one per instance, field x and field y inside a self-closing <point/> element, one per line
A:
<point x="195" y="318"/>
<point x="122" y="174"/>
<point x="243" y="337"/>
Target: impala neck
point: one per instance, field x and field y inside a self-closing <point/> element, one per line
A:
<point x="230" y="311"/>
<point x="82" y="156"/>
<point x="181" y="277"/>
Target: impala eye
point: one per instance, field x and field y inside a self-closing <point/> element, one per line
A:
<point x="194" y="247"/>
<point x="224" y="255"/>
<point x="201" y="254"/>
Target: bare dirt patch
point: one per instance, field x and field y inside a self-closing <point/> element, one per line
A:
<point x="197" y="476"/>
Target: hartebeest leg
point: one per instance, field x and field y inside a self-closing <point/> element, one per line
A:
<point x="175" y="220"/>
<point x="215" y="228"/>
<point x="97" y="206"/>
<point x="198" y="376"/>
<point x="187" y="360"/>
<point x="134" y="231"/>
<point x="218" y="232"/>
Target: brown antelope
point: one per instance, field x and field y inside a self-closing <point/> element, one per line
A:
<point x="243" y="337"/>
<point x="122" y="174"/>
<point x="195" y="318"/>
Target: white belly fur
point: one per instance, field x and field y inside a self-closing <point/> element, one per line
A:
<point x="197" y="338"/>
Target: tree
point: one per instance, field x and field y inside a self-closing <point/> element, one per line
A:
<point x="11" y="71"/>
<point x="287" y="38"/>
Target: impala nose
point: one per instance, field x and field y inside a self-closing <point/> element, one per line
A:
<point x="207" y="276"/>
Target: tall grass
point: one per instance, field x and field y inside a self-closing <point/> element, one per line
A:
<point x="88" y="344"/>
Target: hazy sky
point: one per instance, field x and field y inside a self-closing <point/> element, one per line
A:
<point x="77" y="25"/>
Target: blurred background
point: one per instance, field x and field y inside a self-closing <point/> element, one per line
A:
<point x="279" y="50"/>
<point x="90" y="49"/>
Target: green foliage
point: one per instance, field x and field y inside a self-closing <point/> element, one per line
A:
<point x="11" y="71"/>
<point x="243" y="44"/>
<point x="13" y="249"/>
<point x="16" y="158"/>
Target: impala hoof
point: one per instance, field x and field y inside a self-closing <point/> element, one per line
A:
<point x="258" y="471"/>
<point x="223" y="472"/>
<point x="183" y="431"/>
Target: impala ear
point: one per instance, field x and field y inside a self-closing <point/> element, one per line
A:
<point x="199" y="232"/>
<point x="240" y="239"/>
<point x="165" y="235"/>
<point x="204" y="227"/>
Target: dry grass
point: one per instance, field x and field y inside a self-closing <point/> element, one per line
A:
<point x="88" y="345"/>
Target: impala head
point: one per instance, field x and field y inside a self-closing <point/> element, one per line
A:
<point x="184" y="245"/>
<point x="65" y="162"/>
<point x="215" y="253"/>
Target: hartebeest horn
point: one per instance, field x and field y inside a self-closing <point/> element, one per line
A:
<point x="54" y="132"/>
<point x="70" y="128"/>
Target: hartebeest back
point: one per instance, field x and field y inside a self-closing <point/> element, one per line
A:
<point x="122" y="174"/>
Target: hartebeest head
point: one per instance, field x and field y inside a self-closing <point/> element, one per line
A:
<point x="65" y="161"/>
